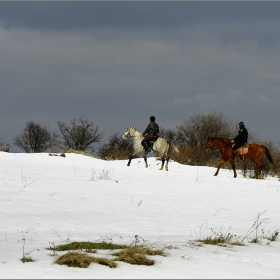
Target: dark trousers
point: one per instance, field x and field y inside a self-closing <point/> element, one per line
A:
<point x="238" y="145"/>
<point x="146" y="142"/>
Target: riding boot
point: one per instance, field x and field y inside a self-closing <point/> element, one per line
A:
<point x="236" y="156"/>
<point x="146" y="147"/>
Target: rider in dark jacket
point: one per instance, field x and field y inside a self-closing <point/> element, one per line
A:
<point x="150" y="134"/>
<point x="241" y="139"/>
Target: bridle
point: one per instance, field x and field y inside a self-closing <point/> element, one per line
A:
<point x="207" y="148"/>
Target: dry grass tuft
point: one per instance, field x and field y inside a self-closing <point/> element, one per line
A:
<point x="137" y="255"/>
<point x="221" y="239"/>
<point x="134" y="254"/>
<point x="83" y="260"/>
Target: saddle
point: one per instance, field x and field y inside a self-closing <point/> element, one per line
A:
<point x="152" y="141"/>
<point x="242" y="150"/>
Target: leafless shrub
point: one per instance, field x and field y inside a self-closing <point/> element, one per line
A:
<point x="192" y="135"/>
<point x="79" y="135"/>
<point x="4" y="147"/>
<point x="35" y="138"/>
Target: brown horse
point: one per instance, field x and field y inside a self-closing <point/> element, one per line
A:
<point x="254" y="152"/>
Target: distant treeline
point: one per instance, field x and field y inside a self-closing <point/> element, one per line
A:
<point x="82" y="135"/>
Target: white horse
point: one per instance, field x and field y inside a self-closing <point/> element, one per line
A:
<point x="161" y="147"/>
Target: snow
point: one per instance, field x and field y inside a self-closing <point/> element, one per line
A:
<point x="51" y="200"/>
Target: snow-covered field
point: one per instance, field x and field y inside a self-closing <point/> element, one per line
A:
<point x="53" y="200"/>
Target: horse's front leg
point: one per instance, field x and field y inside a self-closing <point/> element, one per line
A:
<point x="162" y="163"/>
<point x="129" y="161"/>
<point x="222" y="162"/>
<point x="231" y="160"/>
<point x="166" y="165"/>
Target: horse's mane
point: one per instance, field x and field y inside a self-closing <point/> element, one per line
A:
<point x="222" y="139"/>
<point x="132" y="127"/>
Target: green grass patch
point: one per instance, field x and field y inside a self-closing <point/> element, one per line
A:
<point x="24" y="259"/>
<point x="88" y="246"/>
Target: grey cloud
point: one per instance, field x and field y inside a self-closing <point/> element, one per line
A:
<point x="119" y="63"/>
<point x="63" y="15"/>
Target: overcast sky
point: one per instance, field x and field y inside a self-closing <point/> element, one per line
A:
<point x="118" y="63"/>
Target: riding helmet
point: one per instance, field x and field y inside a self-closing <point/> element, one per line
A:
<point x="152" y="118"/>
<point x="241" y="124"/>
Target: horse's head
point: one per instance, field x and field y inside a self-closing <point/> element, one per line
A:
<point x="218" y="142"/>
<point x="209" y="144"/>
<point x="128" y="133"/>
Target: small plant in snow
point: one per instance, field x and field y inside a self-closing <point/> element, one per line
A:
<point x="255" y="227"/>
<point x="104" y="174"/>
<point x="24" y="258"/>
<point x="266" y="237"/>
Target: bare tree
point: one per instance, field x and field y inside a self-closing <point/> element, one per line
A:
<point x="168" y="134"/>
<point x="79" y="135"/>
<point x="35" y="138"/>
<point x="193" y="133"/>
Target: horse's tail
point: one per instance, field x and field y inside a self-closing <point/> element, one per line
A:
<point x="172" y="145"/>
<point x="268" y="153"/>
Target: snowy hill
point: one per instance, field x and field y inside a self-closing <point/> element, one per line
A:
<point x="53" y="200"/>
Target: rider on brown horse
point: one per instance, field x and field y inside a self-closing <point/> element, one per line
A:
<point x="240" y="140"/>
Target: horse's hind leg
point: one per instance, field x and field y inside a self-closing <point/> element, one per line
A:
<point x="258" y="163"/>
<point x="145" y="159"/>
<point x="259" y="169"/>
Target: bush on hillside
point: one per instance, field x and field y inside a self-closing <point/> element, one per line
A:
<point x="115" y="149"/>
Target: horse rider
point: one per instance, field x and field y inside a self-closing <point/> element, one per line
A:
<point x="150" y="134"/>
<point x="240" y="140"/>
